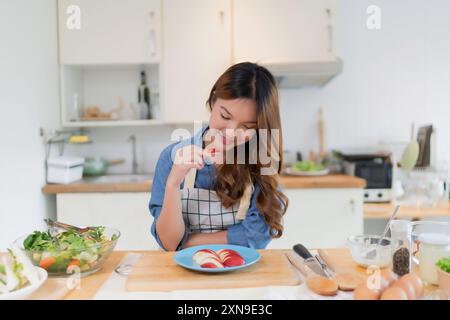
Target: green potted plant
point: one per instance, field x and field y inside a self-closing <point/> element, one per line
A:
<point x="443" y="270"/>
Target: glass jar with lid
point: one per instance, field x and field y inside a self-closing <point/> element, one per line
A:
<point x="432" y="248"/>
<point x="431" y="242"/>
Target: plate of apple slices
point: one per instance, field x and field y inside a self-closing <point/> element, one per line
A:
<point x="215" y="258"/>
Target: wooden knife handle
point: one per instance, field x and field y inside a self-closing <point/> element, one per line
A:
<point x="115" y="162"/>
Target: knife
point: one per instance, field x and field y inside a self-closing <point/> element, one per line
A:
<point x="325" y="267"/>
<point x="312" y="262"/>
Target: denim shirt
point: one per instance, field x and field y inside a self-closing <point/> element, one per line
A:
<point x="253" y="231"/>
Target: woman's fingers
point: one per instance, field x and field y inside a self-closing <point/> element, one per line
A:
<point x="209" y="155"/>
<point x="199" y="166"/>
<point x="189" y="155"/>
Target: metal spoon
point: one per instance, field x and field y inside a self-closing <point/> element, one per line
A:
<point x="372" y="253"/>
<point x="124" y="269"/>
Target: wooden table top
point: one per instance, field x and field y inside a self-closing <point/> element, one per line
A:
<point x="90" y="285"/>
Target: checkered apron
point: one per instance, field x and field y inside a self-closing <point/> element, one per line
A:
<point x="203" y="211"/>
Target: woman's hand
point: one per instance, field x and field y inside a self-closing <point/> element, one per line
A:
<point x="186" y="158"/>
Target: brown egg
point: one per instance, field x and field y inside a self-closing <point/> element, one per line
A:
<point x="381" y="279"/>
<point x="394" y="293"/>
<point x="388" y="275"/>
<point x="408" y="287"/>
<point x="364" y="293"/>
<point x="416" y="282"/>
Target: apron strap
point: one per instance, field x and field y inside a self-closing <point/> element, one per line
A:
<point x="244" y="204"/>
<point x="189" y="180"/>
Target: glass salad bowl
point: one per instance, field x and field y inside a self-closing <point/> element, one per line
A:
<point x="67" y="252"/>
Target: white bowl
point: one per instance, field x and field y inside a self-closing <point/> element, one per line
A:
<point x="362" y="246"/>
<point x="25" y="292"/>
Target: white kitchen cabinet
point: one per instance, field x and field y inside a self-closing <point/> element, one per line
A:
<point x="321" y="218"/>
<point x="197" y="49"/>
<point x="279" y="31"/>
<point x="126" y="212"/>
<point x="317" y="218"/>
<point x="110" y="31"/>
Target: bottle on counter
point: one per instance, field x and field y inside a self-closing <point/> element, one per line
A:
<point x="401" y="259"/>
<point x="144" y="99"/>
<point x="77" y="112"/>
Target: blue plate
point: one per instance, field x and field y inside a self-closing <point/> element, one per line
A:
<point x="184" y="257"/>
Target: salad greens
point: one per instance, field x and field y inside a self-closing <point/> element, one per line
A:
<point x="307" y="166"/>
<point x="16" y="271"/>
<point x="444" y="264"/>
<point x="65" y="251"/>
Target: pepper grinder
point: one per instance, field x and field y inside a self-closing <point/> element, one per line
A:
<point x="401" y="234"/>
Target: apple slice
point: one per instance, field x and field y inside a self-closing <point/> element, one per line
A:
<point x="230" y="258"/>
<point x="207" y="259"/>
<point x="211" y="263"/>
<point x="201" y="254"/>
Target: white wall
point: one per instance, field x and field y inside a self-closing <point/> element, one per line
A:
<point x="392" y="77"/>
<point x="113" y="143"/>
<point x="28" y="100"/>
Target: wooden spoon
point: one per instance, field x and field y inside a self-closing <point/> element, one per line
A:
<point x="347" y="281"/>
<point x="317" y="284"/>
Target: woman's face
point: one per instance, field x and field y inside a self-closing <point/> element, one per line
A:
<point x="231" y="122"/>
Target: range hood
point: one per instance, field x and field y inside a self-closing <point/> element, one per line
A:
<point x="305" y="73"/>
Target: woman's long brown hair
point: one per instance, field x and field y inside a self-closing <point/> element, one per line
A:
<point x="251" y="81"/>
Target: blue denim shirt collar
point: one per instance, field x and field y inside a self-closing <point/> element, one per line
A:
<point x="198" y="137"/>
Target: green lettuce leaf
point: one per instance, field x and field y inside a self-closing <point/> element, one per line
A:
<point x="444" y="264"/>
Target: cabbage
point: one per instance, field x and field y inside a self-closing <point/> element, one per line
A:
<point x="12" y="282"/>
<point x="29" y="271"/>
<point x="16" y="271"/>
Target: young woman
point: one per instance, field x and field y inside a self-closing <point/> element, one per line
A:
<point x="202" y="193"/>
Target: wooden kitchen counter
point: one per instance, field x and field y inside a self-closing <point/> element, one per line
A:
<point x="384" y="210"/>
<point x="287" y="182"/>
<point x="90" y="285"/>
<point x="85" y="187"/>
<point x="322" y="182"/>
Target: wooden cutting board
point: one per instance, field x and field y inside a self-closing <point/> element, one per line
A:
<point x="156" y="271"/>
<point x="340" y="261"/>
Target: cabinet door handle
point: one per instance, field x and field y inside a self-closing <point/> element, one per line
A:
<point x="222" y="16"/>
<point x="152" y="42"/>
<point x="330" y="38"/>
<point x="352" y="206"/>
<point x="330" y="30"/>
<point x="152" y="34"/>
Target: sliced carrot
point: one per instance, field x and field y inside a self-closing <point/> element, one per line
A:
<point x="74" y="262"/>
<point x="47" y="262"/>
